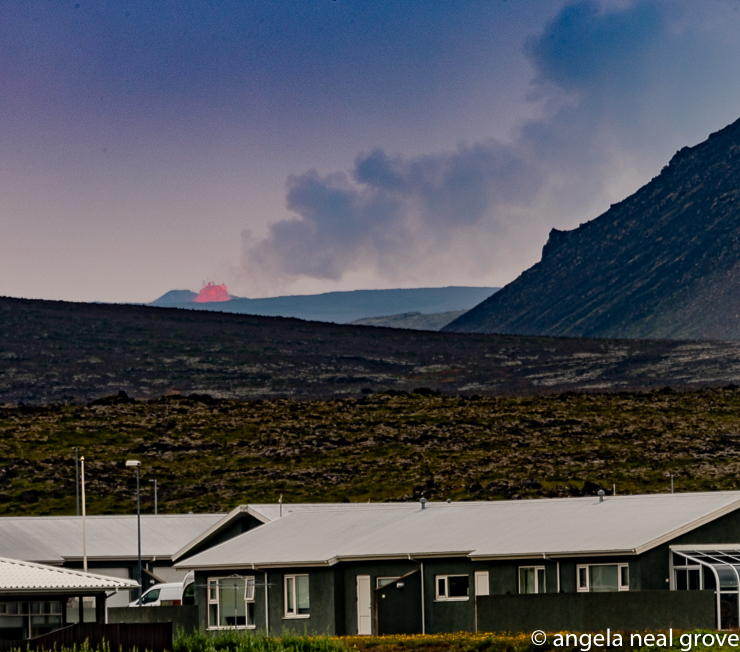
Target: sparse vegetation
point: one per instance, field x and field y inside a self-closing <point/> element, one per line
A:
<point x="211" y="455"/>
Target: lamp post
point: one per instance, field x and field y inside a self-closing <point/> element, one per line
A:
<point x="84" y="525"/>
<point x="76" y="449"/>
<point x="155" y="495"/>
<point x="137" y="465"/>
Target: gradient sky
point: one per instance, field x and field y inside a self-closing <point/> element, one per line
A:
<point x="301" y="146"/>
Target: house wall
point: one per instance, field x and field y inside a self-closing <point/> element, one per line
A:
<point x="347" y="579"/>
<point x="322" y="590"/>
<point x="654" y="564"/>
<point x="397" y="609"/>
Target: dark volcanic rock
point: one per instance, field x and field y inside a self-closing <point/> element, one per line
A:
<point x="663" y="263"/>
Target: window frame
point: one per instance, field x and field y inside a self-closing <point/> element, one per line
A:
<point x="587" y="589"/>
<point x="295" y="614"/>
<point x="444" y="598"/>
<point x="213" y="583"/>
<point x="390" y="579"/>
<point x="536" y="570"/>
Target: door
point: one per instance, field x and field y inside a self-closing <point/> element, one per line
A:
<point x="364" y="606"/>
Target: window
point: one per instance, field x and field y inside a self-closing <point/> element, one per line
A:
<point x="452" y="587"/>
<point x="687" y="574"/>
<point x="231" y="603"/>
<point x="296" y="596"/>
<point x="384" y="581"/>
<point x="531" y="579"/>
<point x="150" y="596"/>
<point x="29" y="619"/>
<point x="601" y="578"/>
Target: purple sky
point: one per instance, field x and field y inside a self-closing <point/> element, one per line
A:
<point x="301" y="146"/>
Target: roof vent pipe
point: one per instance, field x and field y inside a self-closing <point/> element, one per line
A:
<point x="600" y="493"/>
<point x="423" y="502"/>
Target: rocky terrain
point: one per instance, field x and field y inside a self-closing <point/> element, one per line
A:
<point x="56" y="352"/>
<point x="211" y="455"/>
<point x="663" y="263"/>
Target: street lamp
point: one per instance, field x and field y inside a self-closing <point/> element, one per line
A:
<point x="137" y="464"/>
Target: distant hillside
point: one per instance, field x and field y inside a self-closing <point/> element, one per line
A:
<point x="412" y="320"/>
<point x="663" y="263"/>
<point x="174" y="297"/>
<point x="344" y="307"/>
<point x="54" y="351"/>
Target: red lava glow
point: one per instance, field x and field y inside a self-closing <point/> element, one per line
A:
<point x="212" y="293"/>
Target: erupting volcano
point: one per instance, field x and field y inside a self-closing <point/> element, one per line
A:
<point x="212" y="293"/>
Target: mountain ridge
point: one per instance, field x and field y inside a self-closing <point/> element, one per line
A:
<point x="662" y="263"/>
<point x="342" y="307"/>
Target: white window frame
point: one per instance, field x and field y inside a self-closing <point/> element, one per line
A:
<point x="587" y="588"/>
<point x="536" y="579"/>
<point x="213" y="583"/>
<point x="390" y="580"/>
<point x="295" y="613"/>
<point x="443" y="597"/>
<point x="687" y="567"/>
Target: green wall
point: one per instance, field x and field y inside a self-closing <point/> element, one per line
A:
<point x="347" y="576"/>
<point x="322" y="596"/>
<point x="398" y="606"/>
<point x="590" y="612"/>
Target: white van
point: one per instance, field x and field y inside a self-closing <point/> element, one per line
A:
<point x="169" y="595"/>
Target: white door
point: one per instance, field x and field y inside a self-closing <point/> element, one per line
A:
<point x="364" y="606"/>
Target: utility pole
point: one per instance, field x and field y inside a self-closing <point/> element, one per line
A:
<point x="76" y="449"/>
<point x="84" y="524"/>
<point x="155" y="495"/>
<point x="137" y="465"/>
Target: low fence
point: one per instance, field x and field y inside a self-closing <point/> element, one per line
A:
<point x="155" y="637"/>
<point x="183" y="618"/>
<point x="594" y="612"/>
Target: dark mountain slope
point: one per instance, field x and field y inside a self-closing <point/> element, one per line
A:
<point x="663" y="263"/>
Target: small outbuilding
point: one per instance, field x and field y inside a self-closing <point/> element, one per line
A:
<point x="37" y="599"/>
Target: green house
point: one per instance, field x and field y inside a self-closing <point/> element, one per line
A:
<point x="580" y="564"/>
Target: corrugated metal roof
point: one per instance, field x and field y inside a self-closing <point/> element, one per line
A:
<point x="268" y="512"/>
<point x="53" y="539"/>
<point x="556" y="526"/>
<point x="16" y="575"/>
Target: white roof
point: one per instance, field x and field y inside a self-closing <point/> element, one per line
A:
<point x="55" y="539"/>
<point x="498" y="529"/>
<point x="24" y="576"/>
<point x="267" y="512"/>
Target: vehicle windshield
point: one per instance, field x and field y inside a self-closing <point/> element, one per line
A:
<point x="150" y="596"/>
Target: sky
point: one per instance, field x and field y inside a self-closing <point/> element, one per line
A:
<point x="304" y="146"/>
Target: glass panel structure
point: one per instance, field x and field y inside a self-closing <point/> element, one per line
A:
<point x="717" y="570"/>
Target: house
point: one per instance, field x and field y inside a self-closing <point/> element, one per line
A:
<point x="624" y="562"/>
<point x="37" y="599"/>
<point x="112" y="548"/>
